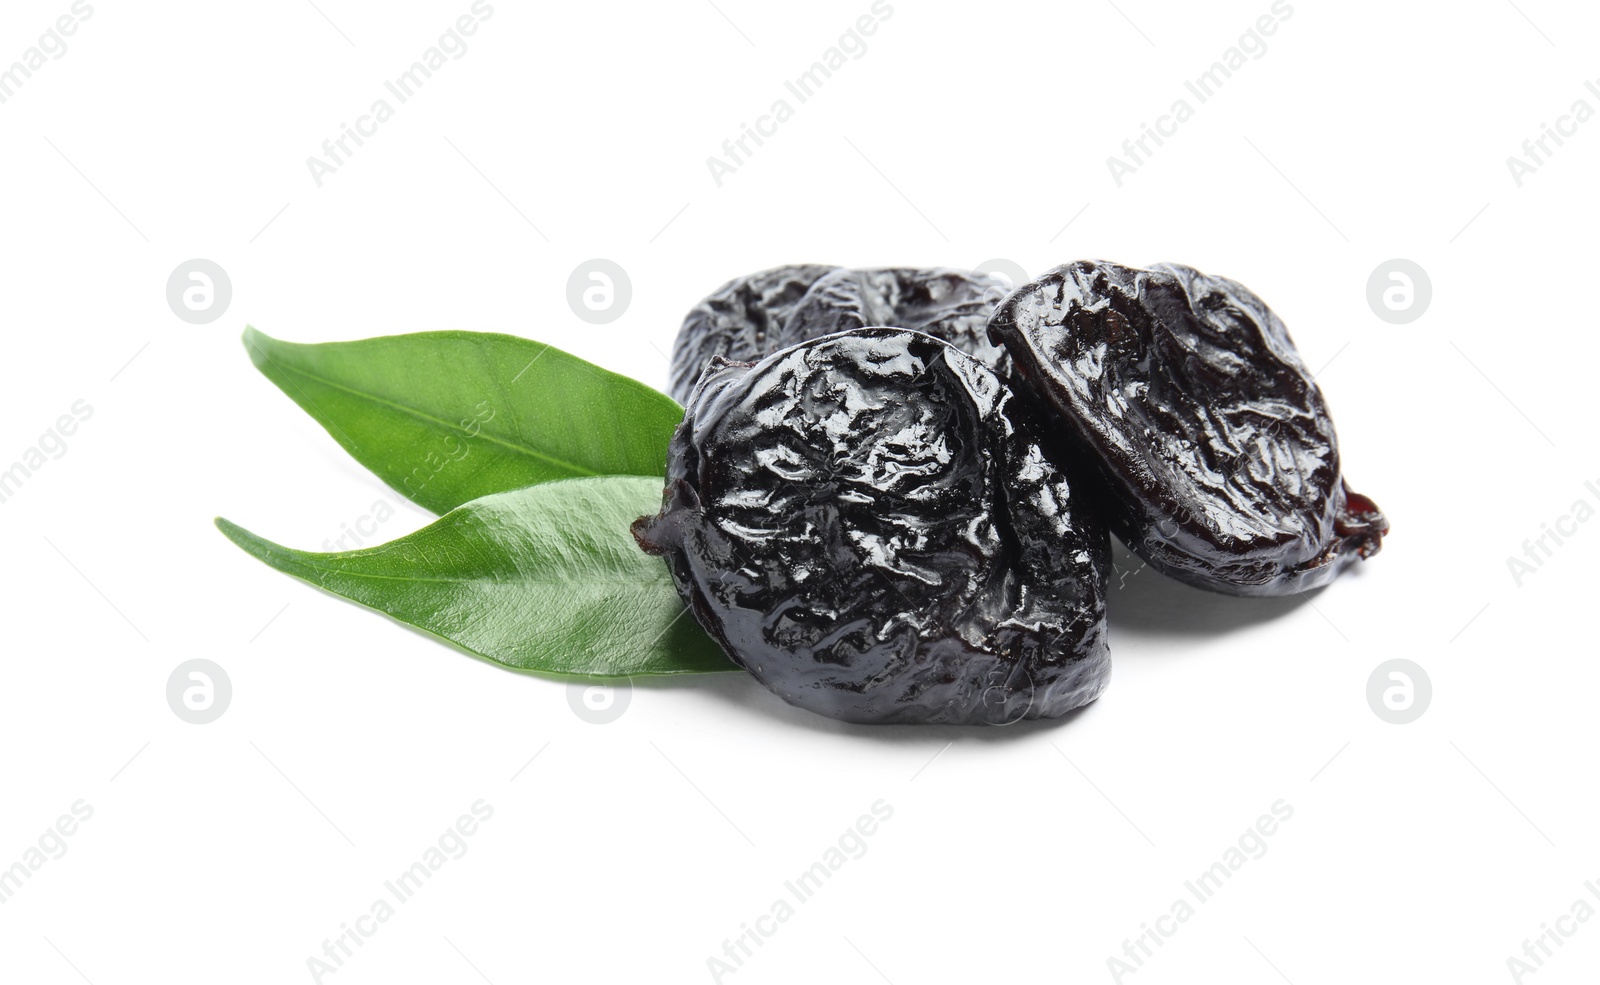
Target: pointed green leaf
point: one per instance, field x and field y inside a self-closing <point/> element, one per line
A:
<point x="545" y="579"/>
<point x="447" y="417"/>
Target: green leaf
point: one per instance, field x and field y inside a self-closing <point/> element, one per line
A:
<point x="447" y="417"/>
<point x="545" y="579"/>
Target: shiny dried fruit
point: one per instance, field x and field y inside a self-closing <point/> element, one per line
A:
<point x="1217" y="454"/>
<point x="952" y="305"/>
<point x="740" y="321"/>
<point x="863" y="523"/>
<point x="755" y="316"/>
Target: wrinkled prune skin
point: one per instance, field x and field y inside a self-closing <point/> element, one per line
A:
<point x="1219" y="462"/>
<point x="740" y="321"/>
<point x="953" y="305"/>
<point x="862" y="524"/>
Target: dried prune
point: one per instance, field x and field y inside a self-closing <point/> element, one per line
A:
<point x="741" y="321"/>
<point x="952" y="305"/>
<point x="863" y="523"/>
<point x="1218" y="459"/>
<point x="754" y="316"/>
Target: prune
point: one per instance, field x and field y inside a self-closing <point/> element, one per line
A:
<point x="952" y="305"/>
<point x="740" y="321"/>
<point x="863" y="523"/>
<point x="754" y="316"/>
<point x="1218" y="458"/>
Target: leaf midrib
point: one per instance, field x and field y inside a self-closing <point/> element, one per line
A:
<point x="423" y="416"/>
<point x="311" y="566"/>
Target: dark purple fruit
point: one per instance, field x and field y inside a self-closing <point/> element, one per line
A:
<point x="740" y="321"/>
<point x="952" y="305"/>
<point x="1218" y="458"/>
<point x="863" y="523"/>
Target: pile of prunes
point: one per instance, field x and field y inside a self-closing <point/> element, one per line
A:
<point x="892" y="493"/>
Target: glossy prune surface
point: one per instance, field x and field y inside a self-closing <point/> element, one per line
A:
<point x="741" y="320"/>
<point x="864" y="523"/>
<point x="1218" y="458"/>
<point x="953" y="305"/>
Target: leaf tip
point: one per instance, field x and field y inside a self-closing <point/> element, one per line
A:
<point x="256" y="343"/>
<point x="242" y="538"/>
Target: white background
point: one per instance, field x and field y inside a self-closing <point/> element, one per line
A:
<point x="631" y="851"/>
